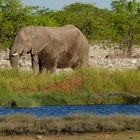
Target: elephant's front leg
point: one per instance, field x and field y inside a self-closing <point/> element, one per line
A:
<point x="35" y="63"/>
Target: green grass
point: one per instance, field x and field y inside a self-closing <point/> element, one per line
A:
<point x="87" y="86"/>
<point x="23" y="125"/>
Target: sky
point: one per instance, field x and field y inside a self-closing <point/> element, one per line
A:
<point x="59" y="4"/>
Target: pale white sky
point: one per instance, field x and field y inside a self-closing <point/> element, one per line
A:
<point x="59" y="4"/>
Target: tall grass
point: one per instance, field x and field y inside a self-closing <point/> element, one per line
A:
<point x="84" y="86"/>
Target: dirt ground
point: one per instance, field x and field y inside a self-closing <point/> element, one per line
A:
<point x="98" y="136"/>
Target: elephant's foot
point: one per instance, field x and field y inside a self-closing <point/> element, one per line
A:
<point x="79" y="64"/>
<point x="48" y="70"/>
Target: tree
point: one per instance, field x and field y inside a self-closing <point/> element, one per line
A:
<point x="126" y="22"/>
<point x="14" y="16"/>
<point x="87" y="17"/>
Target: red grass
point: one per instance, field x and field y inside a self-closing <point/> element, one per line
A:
<point x="68" y="85"/>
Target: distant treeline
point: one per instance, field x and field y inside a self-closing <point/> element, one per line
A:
<point x="118" y="26"/>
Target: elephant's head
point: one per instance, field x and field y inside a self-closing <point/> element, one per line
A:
<point x="23" y="44"/>
<point x="29" y="40"/>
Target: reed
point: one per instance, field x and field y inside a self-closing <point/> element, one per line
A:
<point x="83" y="86"/>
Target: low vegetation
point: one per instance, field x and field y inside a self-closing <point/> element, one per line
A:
<point x="23" y="125"/>
<point x="82" y="87"/>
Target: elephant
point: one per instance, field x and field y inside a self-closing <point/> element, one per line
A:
<point x="51" y="47"/>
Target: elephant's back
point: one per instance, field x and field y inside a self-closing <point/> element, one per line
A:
<point x="67" y="44"/>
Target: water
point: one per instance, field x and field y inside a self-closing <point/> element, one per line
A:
<point x="61" y="111"/>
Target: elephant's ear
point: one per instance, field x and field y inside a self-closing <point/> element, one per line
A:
<point x="36" y="50"/>
<point x="43" y="39"/>
<point x="38" y="44"/>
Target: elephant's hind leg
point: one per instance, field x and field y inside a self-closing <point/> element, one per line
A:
<point x="48" y="65"/>
<point x="83" y="64"/>
<point x="80" y="64"/>
<point x="49" y="70"/>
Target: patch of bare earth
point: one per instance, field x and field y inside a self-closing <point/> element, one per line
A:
<point x="98" y="136"/>
<point x="113" y="59"/>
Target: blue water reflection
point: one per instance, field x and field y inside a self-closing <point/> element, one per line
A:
<point x="61" y="111"/>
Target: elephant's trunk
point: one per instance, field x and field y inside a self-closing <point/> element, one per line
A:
<point x="14" y="61"/>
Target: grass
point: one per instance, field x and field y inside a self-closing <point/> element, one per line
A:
<point x="86" y="86"/>
<point x="27" y="125"/>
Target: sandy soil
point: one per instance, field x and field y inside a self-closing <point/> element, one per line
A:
<point x="99" y="136"/>
<point x="98" y="57"/>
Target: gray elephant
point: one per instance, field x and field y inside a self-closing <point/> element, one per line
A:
<point x="51" y="47"/>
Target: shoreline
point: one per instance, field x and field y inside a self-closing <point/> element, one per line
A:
<point x="95" y="136"/>
<point x="72" y="125"/>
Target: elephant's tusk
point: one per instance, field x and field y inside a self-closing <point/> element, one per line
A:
<point x="15" y="54"/>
